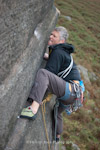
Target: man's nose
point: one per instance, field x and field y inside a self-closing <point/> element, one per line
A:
<point x="50" y="36"/>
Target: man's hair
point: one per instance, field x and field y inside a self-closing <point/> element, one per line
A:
<point x="63" y="32"/>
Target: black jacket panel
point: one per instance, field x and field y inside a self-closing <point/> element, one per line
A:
<point x="60" y="59"/>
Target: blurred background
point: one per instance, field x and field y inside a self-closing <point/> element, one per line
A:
<point x="82" y="19"/>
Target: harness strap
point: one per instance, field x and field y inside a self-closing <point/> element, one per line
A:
<point x="65" y="72"/>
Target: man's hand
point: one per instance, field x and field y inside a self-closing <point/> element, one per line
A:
<point x="46" y="56"/>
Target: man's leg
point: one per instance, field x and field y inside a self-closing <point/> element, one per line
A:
<point x="45" y="80"/>
<point x="59" y="123"/>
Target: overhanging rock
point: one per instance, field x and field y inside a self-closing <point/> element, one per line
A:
<point x="24" y="30"/>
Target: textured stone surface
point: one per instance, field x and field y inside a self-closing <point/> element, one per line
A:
<point x="84" y="72"/>
<point x="28" y="134"/>
<point x="24" y="30"/>
<point x="18" y="20"/>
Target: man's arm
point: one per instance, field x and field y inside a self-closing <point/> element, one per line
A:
<point x="46" y="54"/>
<point x="55" y="62"/>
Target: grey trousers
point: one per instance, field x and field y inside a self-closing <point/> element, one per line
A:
<point x="46" y="80"/>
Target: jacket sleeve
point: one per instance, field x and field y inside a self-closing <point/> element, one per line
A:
<point x="55" y="62"/>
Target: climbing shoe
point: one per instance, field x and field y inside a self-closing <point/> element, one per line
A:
<point x="27" y="113"/>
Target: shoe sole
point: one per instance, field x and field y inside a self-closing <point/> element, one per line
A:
<point x="30" y="118"/>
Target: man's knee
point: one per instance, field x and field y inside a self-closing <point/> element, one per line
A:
<point x="45" y="73"/>
<point x="42" y="71"/>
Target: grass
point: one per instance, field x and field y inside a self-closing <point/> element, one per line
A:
<point x="83" y="127"/>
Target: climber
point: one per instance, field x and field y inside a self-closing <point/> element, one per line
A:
<point x="51" y="78"/>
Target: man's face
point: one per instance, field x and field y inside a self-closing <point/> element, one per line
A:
<point x="55" y="38"/>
